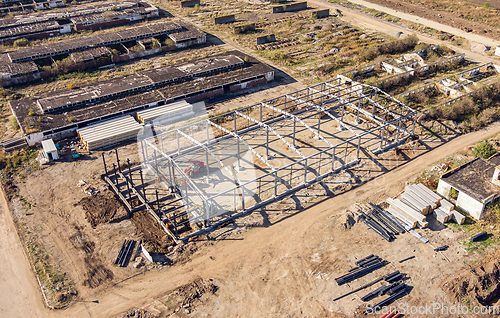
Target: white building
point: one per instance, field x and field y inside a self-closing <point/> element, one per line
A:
<point x="49" y="150"/>
<point x="477" y="183"/>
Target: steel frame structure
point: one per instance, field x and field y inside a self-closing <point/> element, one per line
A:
<point x="339" y="95"/>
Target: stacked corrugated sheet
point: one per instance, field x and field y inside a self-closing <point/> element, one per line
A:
<point x="418" y="201"/>
<point x="167" y="113"/>
<point x="109" y="132"/>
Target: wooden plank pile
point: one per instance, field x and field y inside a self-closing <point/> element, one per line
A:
<point x="109" y="132"/>
<point x="417" y="202"/>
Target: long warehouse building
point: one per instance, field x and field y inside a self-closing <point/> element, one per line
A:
<point x="58" y="114"/>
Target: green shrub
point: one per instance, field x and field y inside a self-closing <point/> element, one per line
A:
<point x="21" y="42"/>
<point x="484" y="150"/>
<point x="486" y="5"/>
<point x="454" y="193"/>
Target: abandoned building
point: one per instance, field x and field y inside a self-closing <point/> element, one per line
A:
<point x="104" y="14"/>
<point x="30" y="64"/>
<point x="58" y="114"/>
<point x="473" y="185"/>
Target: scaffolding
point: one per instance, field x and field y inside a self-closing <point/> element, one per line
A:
<point x="259" y="154"/>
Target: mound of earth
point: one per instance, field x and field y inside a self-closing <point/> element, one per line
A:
<point x="153" y="236"/>
<point x="345" y="220"/>
<point x="191" y="295"/>
<point x="479" y="283"/>
<point x="100" y="208"/>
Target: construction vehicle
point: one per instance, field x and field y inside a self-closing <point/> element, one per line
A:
<point x="75" y="154"/>
<point x="320" y="115"/>
<point x="194" y="168"/>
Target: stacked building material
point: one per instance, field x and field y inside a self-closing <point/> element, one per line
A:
<point x="109" y="132"/>
<point x="407" y="210"/>
<point x="420" y="199"/>
<point x="166" y="114"/>
<point x="458" y="217"/>
<point x="397" y="213"/>
<point x="417" y="192"/>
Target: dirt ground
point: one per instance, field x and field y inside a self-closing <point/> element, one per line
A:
<point x="467" y="18"/>
<point x="285" y="274"/>
<point x="278" y="261"/>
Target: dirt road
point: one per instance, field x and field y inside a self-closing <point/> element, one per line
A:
<point x="432" y="24"/>
<point x="368" y="23"/>
<point x="245" y="259"/>
<point x="20" y="295"/>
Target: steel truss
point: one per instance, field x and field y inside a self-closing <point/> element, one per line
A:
<point x="338" y="94"/>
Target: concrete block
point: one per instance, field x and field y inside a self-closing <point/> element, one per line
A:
<point x="419" y="199"/>
<point x="412" y="213"/>
<point x="224" y="19"/>
<point x="266" y="39"/>
<point x="458" y="217"/>
<point x="321" y="14"/>
<point x="429" y="192"/>
<point x="447" y="205"/>
<point x="440" y="216"/>
<point x="189" y="3"/>
<point x="400" y="215"/>
<point x="415" y="203"/>
<point x="418" y="192"/>
<point x="297" y="6"/>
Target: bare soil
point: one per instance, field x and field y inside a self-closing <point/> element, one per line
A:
<point x="153" y="236"/>
<point x="100" y="208"/>
<point x="459" y="17"/>
<point x="478" y="284"/>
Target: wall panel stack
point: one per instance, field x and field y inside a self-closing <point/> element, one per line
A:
<point x="109" y="133"/>
<point x="418" y="201"/>
<point x="167" y="113"/>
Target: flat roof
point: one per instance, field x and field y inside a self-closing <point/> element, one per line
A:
<point x="29" y="28"/>
<point x="96" y="40"/>
<point x="48" y="145"/>
<point x="138" y="81"/>
<point x="47" y="122"/>
<point x="474" y="178"/>
<point x="71" y="11"/>
<point x="118" y="85"/>
<point x="81" y="56"/>
<point x="8" y="68"/>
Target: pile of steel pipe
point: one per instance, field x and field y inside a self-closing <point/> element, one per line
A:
<point x="365" y="267"/>
<point x="395" y="293"/>
<point x="125" y="253"/>
<point x="381" y="225"/>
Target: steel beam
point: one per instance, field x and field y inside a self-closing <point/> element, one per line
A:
<point x="244" y="142"/>
<point x="300" y="121"/>
<point x="323" y="110"/>
<point x="238" y="182"/>
<point x="271" y="130"/>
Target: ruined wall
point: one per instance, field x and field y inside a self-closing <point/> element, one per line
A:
<point x="224" y="19"/>
<point x="290" y="7"/>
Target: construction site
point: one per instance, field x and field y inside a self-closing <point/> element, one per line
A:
<point x="244" y="159"/>
<point x="213" y="170"/>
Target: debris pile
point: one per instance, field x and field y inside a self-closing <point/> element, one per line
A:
<point x="87" y="189"/>
<point x="477" y="284"/>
